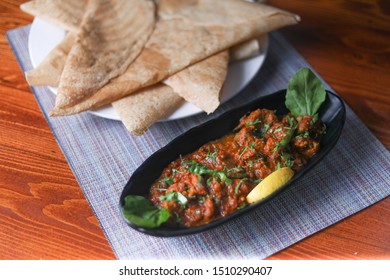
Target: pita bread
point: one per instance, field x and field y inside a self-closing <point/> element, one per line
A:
<point x="201" y="83"/>
<point x="174" y="44"/>
<point x="49" y="71"/>
<point x="140" y="110"/>
<point x="66" y="14"/>
<point x="112" y="34"/>
<point x="246" y="50"/>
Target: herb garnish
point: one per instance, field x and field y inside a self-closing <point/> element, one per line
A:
<point x="140" y="211"/>
<point x="256" y="121"/>
<point x="305" y="93"/>
<point x="212" y="156"/>
<point x="237" y="188"/>
<point x="175" y="197"/>
<point x="196" y="168"/>
<point x="243" y="151"/>
<point x="166" y="181"/>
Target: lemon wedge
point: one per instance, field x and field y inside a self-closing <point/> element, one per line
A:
<point x="270" y="184"/>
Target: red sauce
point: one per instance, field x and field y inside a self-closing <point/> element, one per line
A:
<point x="214" y="180"/>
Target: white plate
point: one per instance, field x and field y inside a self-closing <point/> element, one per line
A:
<point x="44" y="36"/>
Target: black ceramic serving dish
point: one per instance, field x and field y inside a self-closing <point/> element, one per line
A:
<point x="332" y="113"/>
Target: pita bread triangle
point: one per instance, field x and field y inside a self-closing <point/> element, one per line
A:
<point x="201" y="82"/>
<point x="140" y="110"/>
<point x="49" y="70"/>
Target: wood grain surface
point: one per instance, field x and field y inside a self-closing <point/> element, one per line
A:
<point x="43" y="212"/>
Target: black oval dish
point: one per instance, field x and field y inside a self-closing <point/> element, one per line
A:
<point x="332" y="113"/>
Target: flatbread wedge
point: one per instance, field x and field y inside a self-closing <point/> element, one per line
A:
<point x="48" y="72"/>
<point x="246" y="50"/>
<point x="140" y="110"/>
<point x="201" y="83"/>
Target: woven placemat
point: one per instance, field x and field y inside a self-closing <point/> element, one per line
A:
<point x="103" y="155"/>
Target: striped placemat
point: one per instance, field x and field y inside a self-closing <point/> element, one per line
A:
<point x="103" y="155"/>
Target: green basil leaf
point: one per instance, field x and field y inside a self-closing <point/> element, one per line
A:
<point x="174" y="196"/>
<point x="305" y="93"/>
<point x="141" y="212"/>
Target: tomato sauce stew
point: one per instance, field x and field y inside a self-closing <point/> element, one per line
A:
<point x="214" y="181"/>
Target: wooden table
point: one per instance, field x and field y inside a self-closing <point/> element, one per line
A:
<point x="43" y="213"/>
